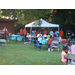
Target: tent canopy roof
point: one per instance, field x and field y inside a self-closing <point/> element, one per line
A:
<point x="43" y="24"/>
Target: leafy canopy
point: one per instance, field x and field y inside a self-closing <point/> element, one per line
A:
<point x="25" y="16"/>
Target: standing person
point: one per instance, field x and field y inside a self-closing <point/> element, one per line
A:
<point x="51" y="33"/>
<point x="49" y="43"/>
<point x="36" y="32"/>
<point x="68" y="34"/>
<point x="72" y="36"/>
<point x="45" y="33"/>
<point x="33" y="33"/>
<point x="21" y="32"/>
<point x="25" y="33"/>
<point x="64" y="56"/>
<point x="35" y="42"/>
<point x="56" y="32"/>
<point x="5" y="29"/>
<point x="61" y="33"/>
<point x="39" y="36"/>
<point x="48" y="36"/>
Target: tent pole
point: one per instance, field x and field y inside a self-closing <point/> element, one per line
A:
<point x="30" y="33"/>
<point x="48" y="30"/>
<point x="58" y="28"/>
<point x="24" y="34"/>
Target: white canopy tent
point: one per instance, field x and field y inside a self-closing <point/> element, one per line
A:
<point x="43" y="24"/>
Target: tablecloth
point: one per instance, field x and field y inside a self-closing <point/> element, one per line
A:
<point x="43" y="41"/>
<point x="19" y="38"/>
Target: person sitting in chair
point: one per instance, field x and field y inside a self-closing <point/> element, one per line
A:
<point x="39" y="36"/>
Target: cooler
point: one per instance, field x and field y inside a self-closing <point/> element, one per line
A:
<point x="64" y="41"/>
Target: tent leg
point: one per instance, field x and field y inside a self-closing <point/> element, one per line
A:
<point x="30" y="33"/>
<point x="24" y="36"/>
<point x="58" y="29"/>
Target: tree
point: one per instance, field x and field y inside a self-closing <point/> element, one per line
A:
<point x="63" y="16"/>
<point x="25" y="16"/>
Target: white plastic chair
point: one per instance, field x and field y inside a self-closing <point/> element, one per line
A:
<point x="56" y="47"/>
<point x="3" y="43"/>
<point x="70" y="56"/>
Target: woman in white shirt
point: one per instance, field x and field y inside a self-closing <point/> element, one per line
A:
<point x="51" y="33"/>
<point x="39" y="36"/>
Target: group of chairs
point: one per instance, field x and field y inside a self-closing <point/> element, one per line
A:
<point x="56" y="47"/>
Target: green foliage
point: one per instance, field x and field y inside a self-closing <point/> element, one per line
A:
<point x="25" y="16"/>
<point x="37" y="22"/>
<point x="62" y="15"/>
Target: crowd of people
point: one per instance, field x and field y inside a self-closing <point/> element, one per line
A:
<point x="68" y="47"/>
<point x="69" y="34"/>
<point x="46" y="35"/>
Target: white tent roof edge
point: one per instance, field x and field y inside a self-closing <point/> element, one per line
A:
<point x="44" y="24"/>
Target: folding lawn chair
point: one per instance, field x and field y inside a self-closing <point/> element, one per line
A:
<point x="70" y="56"/>
<point x="55" y="46"/>
<point x="3" y="43"/>
<point x="37" y="45"/>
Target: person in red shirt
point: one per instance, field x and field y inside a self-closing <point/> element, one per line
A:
<point x="49" y="43"/>
<point x="21" y="32"/>
<point x="45" y="33"/>
<point x="61" y="33"/>
<point x="36" y="32"/>
<point x="25" y="33"/>
<point x="5" y="29"/>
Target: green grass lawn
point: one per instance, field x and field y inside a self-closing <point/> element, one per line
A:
<point x="20" y="54"/>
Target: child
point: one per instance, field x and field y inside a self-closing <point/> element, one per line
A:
<point x="48" y="36"/>
<point x="49" y="43"/>
<point x="35" y="42"/>
<point x="64" y="55"/>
